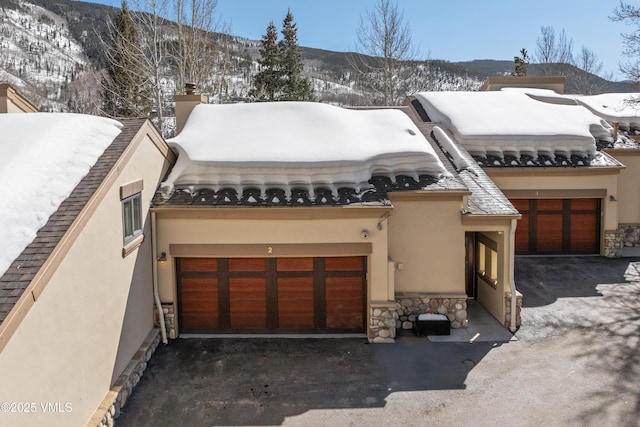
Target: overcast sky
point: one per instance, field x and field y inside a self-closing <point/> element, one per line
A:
<point x="453" y="30"/>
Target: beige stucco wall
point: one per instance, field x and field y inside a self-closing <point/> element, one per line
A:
<point x="492" y="298"/>
<point x="427" y="238"/>
<point x="91" y="318"/>
<point x="272" y="226"/>
<point x="628" y="194"/>
<point x="565" y="185"/>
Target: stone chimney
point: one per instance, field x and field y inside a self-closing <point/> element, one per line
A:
<point x="185" y="104"/>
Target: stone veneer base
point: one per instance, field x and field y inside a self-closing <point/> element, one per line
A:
<point x="507" y="314"/>
<point x="631" y="234"/>
<point x="613" y="243"/>
<point x="409" y="307"/>
<point x="116" y="398"/>
<point x="168" y="310"/>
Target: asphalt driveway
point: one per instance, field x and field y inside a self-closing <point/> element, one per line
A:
<point x="576" y="362"/>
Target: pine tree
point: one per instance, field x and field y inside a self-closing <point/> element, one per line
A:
<point x="295" y="86"/>
<point x="520" y="64"/>
<point x="267" y="82"/>
<point x="125" y="92"/>
<point x="281" y="69"/>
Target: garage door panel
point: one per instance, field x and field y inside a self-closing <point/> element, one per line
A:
<point x="558" y="226"/>
<point x="246" y="264"/>
<point x="584" y="205"/>
<point x="344" y="302"/>
<point x="295" y="303"/>
<point x="199" y="303"/>
<point x="248" y="302"/>
<point x="294" y="264"/>
<point x="522" y="233"/>
<point x="272" y="295"/>
<point x="549" y="204"/>
<point x="353" y="263"/>
<point x="520" y="204"/>
<point x="583" y="228"/>
<point x="198" y="264"/>
<point x="549" y="233"/>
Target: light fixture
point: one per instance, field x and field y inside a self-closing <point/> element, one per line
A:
<point x="612" y="198"/>
<point x="364" y="234"/>
<point x="162" y="257"/>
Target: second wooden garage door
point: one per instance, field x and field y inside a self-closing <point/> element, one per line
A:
<point x="558" y="226"/>
<point x="238" y="295"/>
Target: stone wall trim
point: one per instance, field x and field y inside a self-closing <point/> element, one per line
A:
<point x="116" y="397"/>
<point x="453" y="305"/>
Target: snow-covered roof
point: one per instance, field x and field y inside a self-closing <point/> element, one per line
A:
<point x="44" y="157"/>
<point x="287" y="146"/>
<point x="622" y="108"/>
<point x="514" y="123"/>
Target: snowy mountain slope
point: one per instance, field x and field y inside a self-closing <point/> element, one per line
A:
<point x="50" y="50"/>
<point x="39" y="55"/>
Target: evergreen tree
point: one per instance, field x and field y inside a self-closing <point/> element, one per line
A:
<point x="295" y="86"/>
<point x="267" y="82"/>
<point x="125" y="92"/>
<point x="520" y="64"/>
<point x="281" y="69"/>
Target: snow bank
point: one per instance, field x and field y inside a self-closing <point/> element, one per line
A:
<point x="297" y="144"/>
<point x="513" y="123"/>
<point x="44" y="157"/>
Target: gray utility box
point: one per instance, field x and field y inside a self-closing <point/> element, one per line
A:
<point x="432" y="324"/>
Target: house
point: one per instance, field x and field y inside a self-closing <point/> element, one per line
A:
<point x="310" y="218"/>
<point x="285" y="218"/>
<point x="76" y="263"/>
<point x="559" y="162"/>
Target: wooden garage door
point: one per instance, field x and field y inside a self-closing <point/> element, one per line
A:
<point x="558" y="226"/>
<point x="287" y="295"/>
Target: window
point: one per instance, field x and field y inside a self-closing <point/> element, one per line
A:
<point x="132" y="217"/>
<point x="132" y="220"/>
<point x="488" y="260"/>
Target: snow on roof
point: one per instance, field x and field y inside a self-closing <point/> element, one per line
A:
<point x="288" y="145"/>
<point x="511" y="122"/>
<point x="622" y="108"/>
<point x="44" y="157"/>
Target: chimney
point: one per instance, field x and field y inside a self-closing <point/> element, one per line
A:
<point x="185" y="104"/>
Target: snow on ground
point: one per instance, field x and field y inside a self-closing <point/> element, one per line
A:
<point x="301" y="144"/>
<point x="45" y="155"/>
<point x="514" y="123"/>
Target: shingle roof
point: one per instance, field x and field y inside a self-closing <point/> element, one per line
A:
<point x="25" y="267"/>
<point x="485" y="198"/>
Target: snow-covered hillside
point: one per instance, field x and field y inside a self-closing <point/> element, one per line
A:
<point x="59" y="72"/>
<point x="39" y="55"/>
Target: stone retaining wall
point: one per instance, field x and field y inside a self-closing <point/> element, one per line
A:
<point x="168" y="310"/>
<point x="409" y="307"/>
<point x="117" y="397"/>
<point x="613" y="242"/>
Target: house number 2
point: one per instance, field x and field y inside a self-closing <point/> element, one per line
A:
<point x="269" y="250"/>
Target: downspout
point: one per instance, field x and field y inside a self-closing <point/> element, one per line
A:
<point x="512" y="277"/>
<point x="156" y="294"/>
